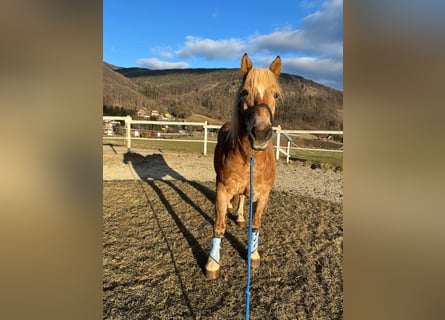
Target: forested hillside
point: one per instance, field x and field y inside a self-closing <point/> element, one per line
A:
<point x="211" y="92"/>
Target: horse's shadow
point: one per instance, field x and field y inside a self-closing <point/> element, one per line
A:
<point x="153" y="167"/>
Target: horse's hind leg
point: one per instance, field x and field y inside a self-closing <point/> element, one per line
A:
<point x="229" y="203"/>
<point x="240" y="211"/>
<point x="219" y="228"/>
<point x="238" y="201"/>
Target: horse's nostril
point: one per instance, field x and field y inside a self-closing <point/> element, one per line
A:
<point x="262" y="132"/>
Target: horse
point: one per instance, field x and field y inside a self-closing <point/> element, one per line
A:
<point x="249" y="133"/>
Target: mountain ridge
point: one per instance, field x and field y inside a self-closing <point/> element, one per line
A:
<point x="211" y="92"/>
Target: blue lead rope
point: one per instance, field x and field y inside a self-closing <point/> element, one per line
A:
<point x="249" y="238"/>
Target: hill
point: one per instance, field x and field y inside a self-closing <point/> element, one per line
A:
<point x="121" y="92"/>
<point x="210" y="92"/>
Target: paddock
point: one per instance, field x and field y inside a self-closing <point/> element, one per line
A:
<point x="158" y="213"/>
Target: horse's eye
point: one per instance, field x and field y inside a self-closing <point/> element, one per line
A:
<point x="276" y="95"/>
<point x="244" y="93"/>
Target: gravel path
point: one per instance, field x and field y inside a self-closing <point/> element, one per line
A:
<point x="294" y="177"/>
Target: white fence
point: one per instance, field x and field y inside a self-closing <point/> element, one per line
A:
<point x="287" y="134"/>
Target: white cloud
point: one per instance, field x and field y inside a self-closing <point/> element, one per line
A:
<point x="279" y="41"/>
<point x="226" y="49"/>
<point x="314" y="51"/>
<point x="154" y="63"/>
<point x="325" y="25"/>
<point x="325" y="71"/>
<point x="321" y="33"/>
<point x="314" y="65"/>
<point x="163" y="52"/>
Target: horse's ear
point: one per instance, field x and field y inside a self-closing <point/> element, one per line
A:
<point x="246" y="65"/>
<point x="275" y="66"/>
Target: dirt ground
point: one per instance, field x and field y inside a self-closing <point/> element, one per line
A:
<point x="158" y="212"/>
<point x="297" y="178"/>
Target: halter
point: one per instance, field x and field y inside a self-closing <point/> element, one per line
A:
<point x="251" y="110"/>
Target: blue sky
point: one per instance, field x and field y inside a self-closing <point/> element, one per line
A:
<point x="308" y="35"/>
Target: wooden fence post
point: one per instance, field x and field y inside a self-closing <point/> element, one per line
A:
<point x="288" y="151"/>
<point x="205" y="138"/>
<point x="277" y="155"/>
<point x="128" y="126"/>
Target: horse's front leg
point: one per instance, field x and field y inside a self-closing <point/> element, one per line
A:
<point x="219" y="228"/>
<point x="257" y="211"/>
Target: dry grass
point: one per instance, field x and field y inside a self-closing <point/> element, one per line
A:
<point x="157" y="236"/>
<point x="328" y="159"/>
<point x="201" y="118"/>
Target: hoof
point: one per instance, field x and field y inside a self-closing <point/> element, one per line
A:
<point x="212" y="269"/>
<point x="255" y="260"/>
<point x="241" y="223"/>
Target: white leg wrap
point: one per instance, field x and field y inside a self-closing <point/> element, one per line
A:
<point x="214" y="250"/>
<point x="255" y="236"/>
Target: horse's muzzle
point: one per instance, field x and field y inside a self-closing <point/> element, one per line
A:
<point x="259" y="136"/>
<point x="259" y="128"/>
